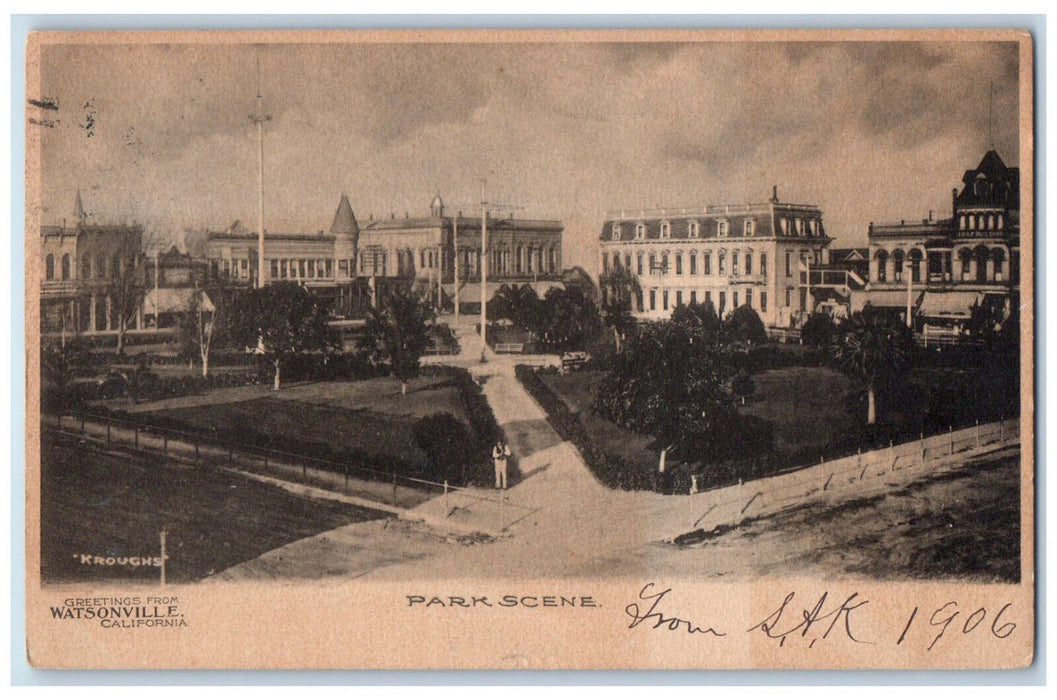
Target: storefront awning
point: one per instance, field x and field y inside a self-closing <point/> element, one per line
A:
<point x="952" y="305"/>
<point x="887" y="298"/>
<point x="174" y="300"/>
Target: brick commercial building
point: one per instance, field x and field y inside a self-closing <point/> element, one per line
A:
<point x="944" y="267"/>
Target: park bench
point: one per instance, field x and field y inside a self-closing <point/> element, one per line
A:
<point x="574" y="360"/>
<point x="510" y="347"/>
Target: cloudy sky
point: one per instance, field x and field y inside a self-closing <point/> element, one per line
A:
<point x="867" y="131"/>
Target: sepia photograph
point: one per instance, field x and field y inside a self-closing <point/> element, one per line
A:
<point x="506" y="334"/>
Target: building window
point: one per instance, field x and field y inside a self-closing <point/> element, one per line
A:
<point x="627" y="262"/>
<point x="275" y="268"/>
<point x="897" y="265"/>
<point x="722" y="228"/>
<point x="666" y="229"/>
<point x="784" y="224"/>
<point x="734" y="263"/>
<point x="708" y="297"/>
<point x="664" y="263"/>
<point x="722" y="303"/>
<point x="664" y="299"/>
<point x="605" y="262"/>
<point x="788" y="264"/>
<point x="693" y="263"/>
<point x="722" y="264"/>
<point x="748" y="298"/>
<point x="748" y="263"/>
<point x="882" y="266"/>
<point x="343" y="268"/>
<point x="788" y="296"/>
<point x="750" y="228"/>
<point x="965" y="258"/>
<point x="693" y="296"/>
<point x="638" y="263"/>
<point x="678" y="263"/>
<point x="615" y="233"/>
<point x="49" y="267"/>
<point x="799" y="227"/>
<point x="763" y="264"/>
<point x="763" y="301"/>
<point x="86" y="266"/>
<point x="653" y="300"/>
<point x="707" y="264"/>
<point x="693" y="229"/>
<point x="734" y="305"/>
<point x="679" y="297"/>
<point x="311" y="268"/>
<point x="640" y="231"/>
<point x="814" y="227"/>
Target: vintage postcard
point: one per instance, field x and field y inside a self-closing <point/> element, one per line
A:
<point x="530" y="350"/>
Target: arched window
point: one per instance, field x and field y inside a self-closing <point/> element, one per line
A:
<point x="693" y="229"/>
<point x="914" y="257"/>
<point x="638" y="263"/>
<point x="615" y="234"/>
<point x="1001" y="222"/>
<point x="972" y="222"/>
<point x="640" y="231"/>
<point x="980" y="255"/>
<point x="734" y="264"/>
<point x="653" y="262"/>
<point x="66" y="266"/>
<point x="881" y="261"/>
<point x="86" y="266"/>
<point x="750" y="227"/>
<point x="722" y="228"/>
<point x="897" y="264"/>
<point x="49" y="267"/>
<point x="666" y="229"/>
<point x="998" y="259"/>
<point x="965" y="257"/>
<point x="961" y="222"/>
<point x="520" y="258"/>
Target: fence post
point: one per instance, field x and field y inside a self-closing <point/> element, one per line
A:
<point x="394" y="488"/>
<point x="977" y="433"/>
<point x="447" y="510"/>
<point x="921" y="443"/>
<point x="502" y="508"/>
<point x="950" y="436"/>
<point x="1001" y="437"/>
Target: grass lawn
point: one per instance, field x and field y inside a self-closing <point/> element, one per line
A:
<point x="807" y="406"/>
<point x="368" y="415"/>
<point x="102" y="504"/>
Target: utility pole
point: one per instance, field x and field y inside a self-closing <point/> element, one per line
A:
<point x="455" y="247"/>
<point x="910" y="291"/>
<point x="259" y="118"/>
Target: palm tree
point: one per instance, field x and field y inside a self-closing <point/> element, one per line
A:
<point x="873" y="348"/>
<point x="620" y="290"/>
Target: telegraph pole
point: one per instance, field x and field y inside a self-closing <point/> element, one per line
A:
<point x="455" y="246"/>
<point x="259" y="118"/>
<point x="484" y="273"/>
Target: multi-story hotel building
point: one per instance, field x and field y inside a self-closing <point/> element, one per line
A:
<point x="730" y="255"/>
<point x="944" y="267"/>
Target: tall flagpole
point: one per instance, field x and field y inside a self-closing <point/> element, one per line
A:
<point x="259" y="118"/>
<point x="484" y="273"/>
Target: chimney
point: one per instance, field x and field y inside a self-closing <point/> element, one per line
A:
<point x="930" y="215"/>
<point x="774" y="194"/>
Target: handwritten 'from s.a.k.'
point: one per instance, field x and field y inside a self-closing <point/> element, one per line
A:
<point x="828" y="617"/>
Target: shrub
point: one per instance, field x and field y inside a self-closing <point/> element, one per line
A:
<point x="445" y="440"/>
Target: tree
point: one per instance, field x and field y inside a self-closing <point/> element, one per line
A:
<point x="518" y="304"/>
<point x="399" y="330"/>
<point x="671" y="383"/>
<point x="126" y="290"/>
<point x="569" y="317"/>
<point x="874" y="348"/>
<point x="743" y="386"/>
<point x="620" y="291"/>
<point x="204" y="323"/>
<point x="702" y="316"/>
<point x="819" y="330"/>
<point x="744" y="325"/>
<point x="59" y="366"/>
<point x="282" y="320"/>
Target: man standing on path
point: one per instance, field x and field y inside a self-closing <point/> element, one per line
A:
<point x="500" y="452"/>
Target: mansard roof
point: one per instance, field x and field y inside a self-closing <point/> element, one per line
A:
<point x="766" y="217"/>
<point x="990" y="184"/>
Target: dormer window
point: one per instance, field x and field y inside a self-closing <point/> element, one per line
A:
<point x="666" y="229"/>
<point x="640" y="231"/>
<point x="750" y="227"/>
<point x="799" y="227"/>
<point x="693" y="229"/>
<point x="814" y="227"/>
<point x="722" y="228"/>
<point x="615" y="234"/>
<point x="784" y="222"/>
